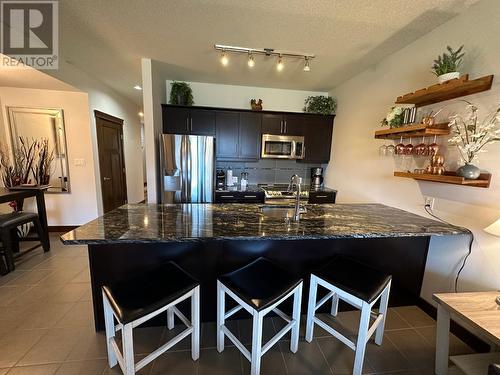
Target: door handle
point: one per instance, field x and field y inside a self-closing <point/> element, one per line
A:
<point x="191" y="122"/>
<point x="187" y="123"/>
<point x="106" y="178"/>
<point x="285" y="126"/>
<point x="281" y="127"/>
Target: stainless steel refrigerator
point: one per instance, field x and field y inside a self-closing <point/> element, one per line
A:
<point x="188" y="168"/>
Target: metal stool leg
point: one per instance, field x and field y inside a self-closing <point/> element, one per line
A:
<point x="221" y="311"/>
<point x="257" y="328"/>
<point x="128" y="349"/>
<point x="110" y="332"/>
<point x="170" y="318"/>
<point x="335" y="305"/>
<point x="384" y="303"/>
<point x="195" y="322"/>
<point x="297" y="298"/>
<point x="311" y="308"/>
<point x="364" y="325"/>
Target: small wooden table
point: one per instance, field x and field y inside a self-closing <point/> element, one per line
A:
<point x="478" y="310"/>
<point x="19" y="193"/>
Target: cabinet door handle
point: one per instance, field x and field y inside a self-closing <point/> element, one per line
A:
<point x="106" y="178"/>
<point x="227" y="196"/>
<point x="285" y="127"/>
<point x="191" y="122"/>
<point x="187" y="123"/>
<point x="321" y="196"/>
<point x="281" y="127"/>
<point x="249" y="196"/>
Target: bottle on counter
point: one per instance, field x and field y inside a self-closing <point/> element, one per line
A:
<point x="244" y="180"/>
<point x="229" y="176"/>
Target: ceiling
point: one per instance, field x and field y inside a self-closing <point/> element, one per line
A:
<point x="108" y="38"/>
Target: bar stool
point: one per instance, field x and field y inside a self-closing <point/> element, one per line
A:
<point x="359" y="285"/>
<point x="259" y="288"/>
<point x="139" y="299"/>
<point x="8" y="224"/>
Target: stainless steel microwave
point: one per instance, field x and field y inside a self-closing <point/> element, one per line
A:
<point x="282" y="147"/>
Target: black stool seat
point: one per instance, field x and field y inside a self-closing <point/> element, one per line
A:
<point x="155" y="288"/>
<point x="14" y="219"/>
<point x="354" y="277"/>
<point x="260" y="283"/>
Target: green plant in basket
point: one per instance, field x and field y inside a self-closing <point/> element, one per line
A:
<point x="181" y="93"/>
<point x="324" y="105"/>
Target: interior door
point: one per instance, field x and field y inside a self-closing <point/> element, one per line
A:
<point x="111" y="160"/>
<point x="272" y="124"/>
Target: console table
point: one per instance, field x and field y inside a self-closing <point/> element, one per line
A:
<point x="480" y="313"/>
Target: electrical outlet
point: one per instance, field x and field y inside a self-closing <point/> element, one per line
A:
<point x="429" y="201"/>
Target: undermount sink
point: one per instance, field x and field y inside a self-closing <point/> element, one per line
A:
<point x="280" y="212"/>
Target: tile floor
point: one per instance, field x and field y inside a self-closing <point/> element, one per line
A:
<point x="46" y="328"/>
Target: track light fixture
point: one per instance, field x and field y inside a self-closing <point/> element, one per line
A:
<point x="307" y="67"/>
<point x="251" y="61"/>
<point x="280" y="65"/>
<point x="251" y="52"/>
<point x="224" y="60"/>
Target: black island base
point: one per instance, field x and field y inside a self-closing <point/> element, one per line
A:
<point x="208" y="240"/>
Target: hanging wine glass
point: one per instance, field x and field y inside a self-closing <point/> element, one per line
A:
<point x="433" y="147"/>
<point x="408" y="150"/>
<point x="399" y="148"/>
<point x="382" y="150"/>
<point x="391" y="149"/>
<point x="421" y="149"/>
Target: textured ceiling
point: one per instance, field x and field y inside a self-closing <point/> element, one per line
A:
<point x="108" y="38"/>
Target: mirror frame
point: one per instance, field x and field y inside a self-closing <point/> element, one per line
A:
<point x="14" y="134"/>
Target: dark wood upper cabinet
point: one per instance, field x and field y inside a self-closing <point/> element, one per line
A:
<point x="182" y="120"/>
<point x="227" y="134"/>
<point x="318" y="138"/>
<point x="250" y="135"/>
<point x="272" y="123"/>
<point x="293" y="124"/>
<point x="202" y="122"/>
<point x="175" y="120"/>
<point x="239" y="132"/>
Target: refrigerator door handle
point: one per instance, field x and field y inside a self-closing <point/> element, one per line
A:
<point x="183" y="169"/>
<point x="189" y="170"/>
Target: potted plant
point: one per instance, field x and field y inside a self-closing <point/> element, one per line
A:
<point x="471" y="136"/>
<point x="323" y="105"/>
<point x="181" y="93"/>
<point x="446" y="65"/>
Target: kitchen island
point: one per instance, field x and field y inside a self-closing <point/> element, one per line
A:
<point x="208" y="240"/>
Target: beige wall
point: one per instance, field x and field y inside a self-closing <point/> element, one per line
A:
<point x="104" y="99"/>
<point x="80" y="205"/>
<point x="361" y="175"/>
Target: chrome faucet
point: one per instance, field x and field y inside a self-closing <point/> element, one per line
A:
<point x="295" y="182"/>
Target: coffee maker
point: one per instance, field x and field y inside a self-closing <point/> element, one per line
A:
<point x="316" y="178"/>
<point x="220" y="179"/>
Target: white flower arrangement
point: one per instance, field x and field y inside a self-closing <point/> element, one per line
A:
<point x="470" y="135"/>
<point x="394" y="118"/>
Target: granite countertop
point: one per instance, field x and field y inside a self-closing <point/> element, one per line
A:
<point x="143" y="223"/>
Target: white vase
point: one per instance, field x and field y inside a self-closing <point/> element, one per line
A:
<point x="446" y="77"/>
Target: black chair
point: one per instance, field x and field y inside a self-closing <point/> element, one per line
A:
<point x="8" y="235"/>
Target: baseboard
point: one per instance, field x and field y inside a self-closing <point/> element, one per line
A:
<point x="62" y="228"/>
<point x="469" y="338"/>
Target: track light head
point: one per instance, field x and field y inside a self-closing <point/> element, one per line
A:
<point x="307" y="67"/>
<point x="280" y="65"/>
<point x="224" y="60"/>
<point x="251" y="61"/>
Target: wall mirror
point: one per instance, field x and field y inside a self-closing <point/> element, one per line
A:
<point x="46" y="127"/>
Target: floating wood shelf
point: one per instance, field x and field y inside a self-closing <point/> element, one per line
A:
<point x="417" y="130"/>
<point x="449" y="178"/>
<point x="452" y="89"/>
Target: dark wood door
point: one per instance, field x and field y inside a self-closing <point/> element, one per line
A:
<point x="318" y="138"/>
<point x="249" y="135"/>
<point x="272" y="124"/>
<point x="176" y="120"/>
<point x="202" y="122"/>
<point x="226" y="134"/>
<point x="293" y="124"/>
<point x="111" y="160"/>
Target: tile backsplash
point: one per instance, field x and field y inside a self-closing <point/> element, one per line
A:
<point x="270" y="171"/>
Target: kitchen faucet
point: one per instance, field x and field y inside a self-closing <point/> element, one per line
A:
<point x="295" y="182"/>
